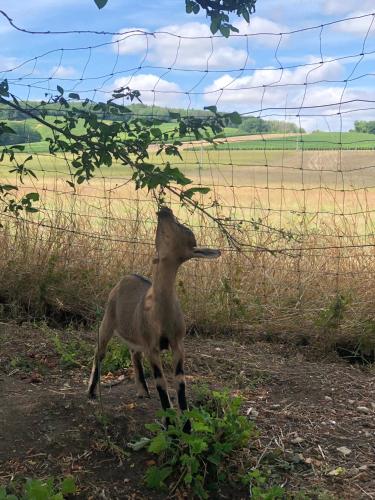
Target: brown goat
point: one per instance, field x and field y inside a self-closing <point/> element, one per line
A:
<point x="148" y="315"/>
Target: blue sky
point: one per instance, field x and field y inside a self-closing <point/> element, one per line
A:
<point x="263" y="74"/>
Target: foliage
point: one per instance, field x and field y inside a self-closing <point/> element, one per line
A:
<point x="258" y="488"/>
<point x="98" y="143"/>
<point x="367" y="127"/>
<point x="72" y="353"/>
<point x="216" y="10"/>
<point x="203" y="459"/>
<point x="331" y="317"/>
<point x="117" y="358"/>
<point x="40" y="489"/>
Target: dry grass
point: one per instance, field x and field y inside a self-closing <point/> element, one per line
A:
<point x="62" y="262"/>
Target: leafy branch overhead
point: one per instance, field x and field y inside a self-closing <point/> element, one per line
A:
<point x="125" y="138"/>
<point x="217" y="10"/>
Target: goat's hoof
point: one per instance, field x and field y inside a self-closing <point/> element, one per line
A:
<point x="91" y="396"/>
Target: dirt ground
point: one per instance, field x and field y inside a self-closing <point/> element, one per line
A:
<point x="315" y="415"/>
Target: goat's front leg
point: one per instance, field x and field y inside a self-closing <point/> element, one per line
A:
<point x="178" y="363"/>
<point x="160" y="381"/>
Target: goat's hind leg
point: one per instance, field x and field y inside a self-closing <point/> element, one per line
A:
<point x="140" y="381"/>
<point x="106" y="331"/>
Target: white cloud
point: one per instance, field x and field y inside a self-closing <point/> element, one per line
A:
<point x="154" y="90"/>
<point x="7" y="63"/>
<point x="343" y="6"/>
<point x="263" y="31"/>
<point x="196" y="49"/>
<point x="358" y="26"/>
<point x="268" y="91"/>
<point x="63" y="71"/>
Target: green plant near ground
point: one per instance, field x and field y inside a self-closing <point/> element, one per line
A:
<point x="117" y="357"/>
<point x="72" y="352"/>
<point x="257" y="482"/>
<point x="204" y="459"/>
<point x="331" y="317"/>
<point x="39" y="489"/>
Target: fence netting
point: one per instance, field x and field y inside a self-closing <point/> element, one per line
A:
<point x="296" y="192"/>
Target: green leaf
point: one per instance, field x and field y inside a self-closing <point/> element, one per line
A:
<point x="73" y="95"/>
<point x="138" y="445"/>
<point x="60" y="89"/>
<point x="4" y="88"/>
<point x="196" y="8"/>
<point x="215" y="24"/>
<point x="189" y="6"/>
<point x="68" y="486"/>
<point x="100" y="3"/>
<point x="32" y="196"/>
<point x="225" y="31"/>
<point x="189" y="193"/>
<point x="158" y="444"/>
<point x="235" y="118"/>
<point x="155" y="476"/>
<point x="245" y="14"/>
<point x="213" y="109"/>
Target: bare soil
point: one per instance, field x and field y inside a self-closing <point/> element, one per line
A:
<point x="306" y="405"/>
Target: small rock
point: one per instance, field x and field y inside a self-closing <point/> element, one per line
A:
<point x="373" y="406"/>
<point x="252" y="412"/>
<point x="363" y="409"/>
<point x="363" y="467"/>
<point x="297" y="440"/>
<point x="328" y="398"/>
<point x="367" y="434"/>
<point x="337" y="472"/>
<point x="275" y="406"/>
<point x="297" y="458"/>
<point x="344" y="450"/>
<point x="351" y="401"/>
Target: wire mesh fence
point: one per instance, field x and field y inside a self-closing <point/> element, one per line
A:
<point x="299" y="204"/>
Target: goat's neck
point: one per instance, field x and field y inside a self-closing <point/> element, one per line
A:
<point x="163" y="282"/>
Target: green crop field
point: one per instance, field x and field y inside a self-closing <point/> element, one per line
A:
<point x="313" y="141"/>
<point x="43" y="145"/>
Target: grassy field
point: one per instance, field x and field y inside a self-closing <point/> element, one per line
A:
<point x="313" y="141"/>
<point x="314" y="209"/>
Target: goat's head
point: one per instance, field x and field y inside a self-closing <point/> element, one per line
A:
<point x="176" y="242"/>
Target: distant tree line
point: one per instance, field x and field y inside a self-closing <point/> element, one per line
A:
<point x="364" y="127"/>
<point x="18" y="133"/>
<point x="254" y="125"/>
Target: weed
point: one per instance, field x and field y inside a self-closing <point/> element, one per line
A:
<point x="203" y="460"/>
<point x="117" y="357"/>
<point x="73" y="352"/>
<point x="257" y="481"/>
<point x="331" y="317"/>
<point x="39" y="489"/>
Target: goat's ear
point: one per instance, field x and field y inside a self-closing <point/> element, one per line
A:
<point x="206" y="253"/>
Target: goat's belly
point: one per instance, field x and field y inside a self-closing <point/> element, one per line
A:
<point x="132" y="346"/>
